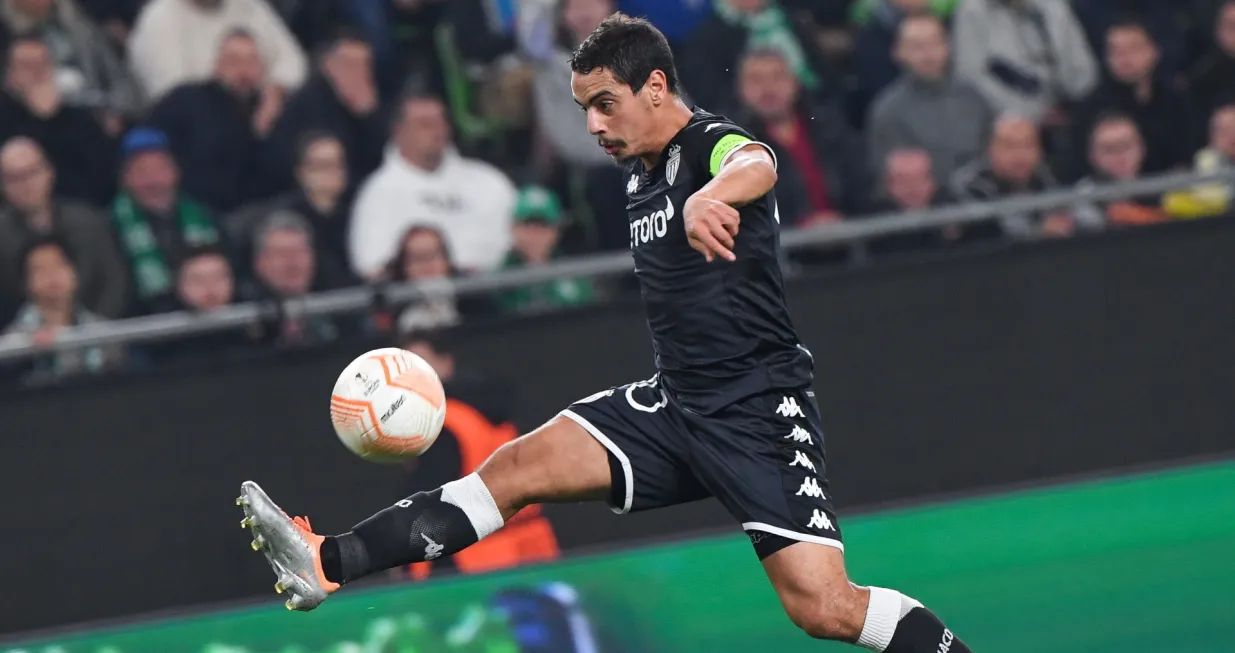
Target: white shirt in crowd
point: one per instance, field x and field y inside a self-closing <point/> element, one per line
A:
<point x="468" y="200"/>
<point x="176" y="42"/>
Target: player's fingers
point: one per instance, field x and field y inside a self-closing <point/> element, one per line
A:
<point x="699" y="246"/>
<point x="714" y="246"/>
<point x="721" y="233"/>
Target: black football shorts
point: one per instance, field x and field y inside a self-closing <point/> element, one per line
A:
<point x="762" y="458"/>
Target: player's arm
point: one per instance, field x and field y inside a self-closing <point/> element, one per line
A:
<point x="740" y="175"/>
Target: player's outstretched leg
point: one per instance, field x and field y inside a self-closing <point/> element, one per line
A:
<point x="559" y="461"/>
<point x="811" y="582"/>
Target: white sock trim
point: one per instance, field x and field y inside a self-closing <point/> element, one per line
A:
<point x="882" y="614"/>
<point x="472" y="496"/>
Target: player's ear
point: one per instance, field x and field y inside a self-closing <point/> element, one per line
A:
<point x="657" y="87"/>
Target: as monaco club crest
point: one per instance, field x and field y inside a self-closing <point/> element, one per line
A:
<point x="671" y="168"/>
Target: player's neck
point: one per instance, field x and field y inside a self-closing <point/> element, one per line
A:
<point x="677" y="116"/>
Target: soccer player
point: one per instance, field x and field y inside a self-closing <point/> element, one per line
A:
<point x="729" y="414"/>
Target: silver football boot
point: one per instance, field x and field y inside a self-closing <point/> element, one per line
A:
<point x="290" y="546"/>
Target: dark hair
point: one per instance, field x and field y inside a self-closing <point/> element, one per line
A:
<point x="397" y="265"/>
<point x="630" y="48"/>
<point x="39" y="242"/>
<point x="203" y="251"/>
<point x="1111" y="116"/>
<point x="1131" y="22"/>
<point x="312" y="137"/>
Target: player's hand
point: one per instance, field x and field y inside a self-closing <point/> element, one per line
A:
<point x="711" y="226"/>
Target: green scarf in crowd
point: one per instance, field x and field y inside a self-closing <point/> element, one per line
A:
<point x="771" y="29"/>
<point x="152" y="275"/>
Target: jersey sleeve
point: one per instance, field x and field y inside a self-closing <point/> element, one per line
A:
<point x="712" y="143"/>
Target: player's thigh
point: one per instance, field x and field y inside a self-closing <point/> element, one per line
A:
<point x="815" y="590"/>
<point x="560" y="461"/>
<point x="645" y="437"/>
<point x="763" y="459"/>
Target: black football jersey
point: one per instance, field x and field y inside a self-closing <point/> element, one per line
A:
<point x="721" y="330"/>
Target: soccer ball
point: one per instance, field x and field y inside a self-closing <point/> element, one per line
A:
<point x="388" y="405"/>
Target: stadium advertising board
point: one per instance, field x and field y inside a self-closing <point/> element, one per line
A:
<point x="1070" y="565"/>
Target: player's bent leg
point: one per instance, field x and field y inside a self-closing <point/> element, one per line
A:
<point x="819" y="598"/>
<point x="560" y="461"/>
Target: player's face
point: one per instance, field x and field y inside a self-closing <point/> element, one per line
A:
<point x="620" y="119"/>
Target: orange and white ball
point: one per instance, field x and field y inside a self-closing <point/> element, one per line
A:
<point x="388" y="405"/>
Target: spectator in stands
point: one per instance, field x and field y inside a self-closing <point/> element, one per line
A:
<point x="477" y="423"/>
<point x="425" y="259"/>
<point x="1163" y="114"/>
<point x="710" y="61"/>
<point x="32" y="105"/>
<point x="32" y="211"/>
<point x="1162" y="18"/>
<point x="822" y="164"/>
<point x="558" y="118"/>
<point x="909" y="184"/>
<point x="155" y="221"/>
<point x="89" y="73"/>
<point x="217" y="127"/>
<point x="204" y="281"/>
<point x="425" y="181"/>
<point x="1212" y="198"/>
<point x="1028" y="57"/>
<point x="538" y="216"/>
<point x="1211" y="81"/>
<point x="1116" y="153"/>
<point x="342" y="99"/>
<point x="285" y="268"/>
<point x="321" y="197"/>
<point x="1013" y="166"/>
<point x="929" y="107"/>
<point x="50" y="278"/>
<point x="177" y="41"/>
<point x="874" y="66"/>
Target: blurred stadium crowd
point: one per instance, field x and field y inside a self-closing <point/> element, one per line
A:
<point x="189" y="154"/>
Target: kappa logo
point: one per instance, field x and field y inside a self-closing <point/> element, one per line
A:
<point x="789" y="408"/>
<point x="632" y="185"/>
<point x="799" y="434"/>
<point x="800" y="460"/>
<point x="652" y="226"/>
<point x="432" y="549"/>
<point x="810" y="488"/>
<point x="671" y="167"/>
<point x="819" y="520"/>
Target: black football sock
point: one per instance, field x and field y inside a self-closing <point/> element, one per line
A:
<point x="921" y="631"/>
<point x="896" y="623"/>
<point x="424" y="526"/>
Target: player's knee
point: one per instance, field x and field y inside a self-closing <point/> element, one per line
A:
<point x="837" y="615"/>
<point x="506" y="475"/>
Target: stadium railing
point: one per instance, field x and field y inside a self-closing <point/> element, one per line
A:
<point x="169" y="326"/>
